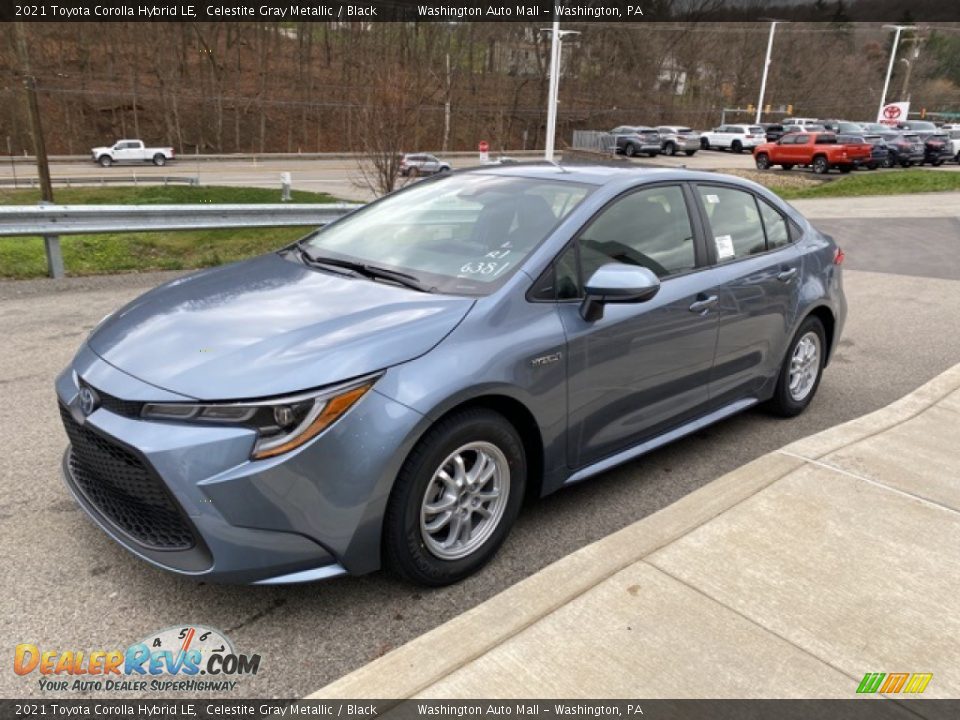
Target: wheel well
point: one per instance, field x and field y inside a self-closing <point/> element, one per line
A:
<point x="525" y="424"/>
<point x="825" y="316"/>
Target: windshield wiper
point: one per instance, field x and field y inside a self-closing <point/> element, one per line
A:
<point x="373" y="272"/>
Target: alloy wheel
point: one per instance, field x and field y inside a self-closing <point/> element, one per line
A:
<point x="465" y="500"/>
<point x="804" y="366"/>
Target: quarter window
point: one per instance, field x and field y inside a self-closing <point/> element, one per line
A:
<point x="774" y="223"/>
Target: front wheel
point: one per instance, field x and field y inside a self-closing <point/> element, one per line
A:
<point x="821" y="166"/>
<point x="105" y="160"/>
<point x="906" y="163"/>
<point x="763" y="161"/>
<point x="937" y="163"/>
<point x="704" y="144"/>
<point x="690" y="153"/>
<point x="801" y="370"/>
<point x="670" y="149"/>
<point x="737" y="146"/>
<point x="455" y="499"/>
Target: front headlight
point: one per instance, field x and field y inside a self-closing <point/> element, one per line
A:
<point x="282" y="424"/>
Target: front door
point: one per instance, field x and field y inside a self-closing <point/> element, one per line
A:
<point x="643" y="367"/>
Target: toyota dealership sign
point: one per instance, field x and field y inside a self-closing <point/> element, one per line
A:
<point x="892" y="113"/>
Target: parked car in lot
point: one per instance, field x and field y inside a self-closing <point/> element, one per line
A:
<point x="803" y="128"/>
<point x="953" y="136"/>
<point x="773" y="131"/>
<point x="733" y="137"/>
<point x="878" y="150"/>
<point x="820" y="151"/>
<point x="131" y="151"/>
<point x="678" y="138"/>
<point x="936" y="148"/>
<point x="904" y="149"/>
<point x="389" y="389"/>
<point x="842" y="127"/>
<point x="917" y="126"/>
<point x="416" y="164"/>
<point x="633" y="140"/>
<point x="802" y="122"/>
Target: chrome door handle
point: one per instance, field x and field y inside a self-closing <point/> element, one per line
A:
<point x="701" y="306"/>
<point x="787" y="275"/>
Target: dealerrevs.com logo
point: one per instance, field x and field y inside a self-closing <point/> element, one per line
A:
<point x="190" y="658"/>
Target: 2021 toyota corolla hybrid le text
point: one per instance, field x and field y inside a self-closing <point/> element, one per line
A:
<point x="387" y="390"/>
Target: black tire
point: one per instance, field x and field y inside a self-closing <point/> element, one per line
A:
<point x="705" y="144"/>
<point x="783" y="403"/>
<point x="906" y="163"/>
<point x="159" y="160"/>
<point x="820" y="165"/>
<point x="405" y="551"/>
<point x="937" y="163"/>
<point x="690" y="153"/>
<point x="787" y="166"/>
<point x="670" y="149"/>
<point x="444" y="169"/>
<point x="413" y="172"/>
<point x="653" y="153"/>
<point x="889" y="161"/>
<point x="872" y="166"/>
<point x="105" y="161"/>
<point x="845" y="168"/>
<point x="736" y="146"/>
<point x="630" y="150"/>
<point x="763" y="161"/>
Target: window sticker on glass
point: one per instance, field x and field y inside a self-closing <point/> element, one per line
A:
<point x="713" y="199"/>
<point x="724" y="247"/>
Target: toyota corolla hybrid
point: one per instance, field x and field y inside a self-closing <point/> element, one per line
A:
<point x="386" y="391"/>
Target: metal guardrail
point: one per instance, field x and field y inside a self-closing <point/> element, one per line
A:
<point x="52" y="221"/>
<point x="32" y="182"/>
<point x="595" y="141"/>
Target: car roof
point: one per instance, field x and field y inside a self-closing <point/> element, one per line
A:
<point x="598" y="174"/>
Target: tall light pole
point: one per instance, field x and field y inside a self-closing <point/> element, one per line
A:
<point x="556" y="40"/>
<point x="766" y="68"/>
<point x="893" y="56"/>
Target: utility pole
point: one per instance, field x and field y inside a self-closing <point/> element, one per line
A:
<point x="30" y="85"/>
<point x="553" y="89"/>
<point x="906" y="76"/>
<point x="446" y="109"/>
<point x="766" y="68"/>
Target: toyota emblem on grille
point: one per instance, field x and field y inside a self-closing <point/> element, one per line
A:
<point x="88" y="400"/>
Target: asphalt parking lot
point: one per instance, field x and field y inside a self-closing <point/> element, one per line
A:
<point x="73" y="588"/>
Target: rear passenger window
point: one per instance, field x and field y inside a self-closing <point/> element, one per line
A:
<point x="735" y="224"/>
<point x="775" y="224"/>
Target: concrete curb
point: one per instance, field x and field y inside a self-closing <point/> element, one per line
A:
<point x="427" y="659"/>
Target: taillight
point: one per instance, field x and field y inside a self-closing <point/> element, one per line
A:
<point x="838" y="256"/>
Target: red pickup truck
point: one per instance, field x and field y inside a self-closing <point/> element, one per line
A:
<point x="819" y="150"/>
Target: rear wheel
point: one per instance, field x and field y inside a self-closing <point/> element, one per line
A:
<point x="906" y="163"/>
<point x="737" y="146"/>
<point x="937" y="163"/>
<point x="630" y="150"/>
<point x="889" y="161"/>
<point x="705" y="144"/>
<point x="455" y="499"/>
<point x="690" y="153"/>
<point x="820" y="165"/>
<point x="801" y="370"/>
<point x="763" y="161"/>
<point x="159" y="160"/>
<point x="670" y="149"/>
<point x="413" y="172"/>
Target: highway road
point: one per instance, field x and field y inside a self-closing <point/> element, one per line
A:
<point x="339" y="177"/>
<point x="70" y="587"/>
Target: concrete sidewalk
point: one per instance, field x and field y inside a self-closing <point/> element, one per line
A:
<point x="792" y="576"/>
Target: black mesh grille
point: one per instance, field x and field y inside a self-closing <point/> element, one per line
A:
<point x="124" y="490"/>
<point x="127" y="408"/>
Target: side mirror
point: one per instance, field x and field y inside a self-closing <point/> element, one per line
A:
<point x="617" y="283"/>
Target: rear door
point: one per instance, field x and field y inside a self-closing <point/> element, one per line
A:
<point x="757" y="268"/>
<point x="642" y="368"/>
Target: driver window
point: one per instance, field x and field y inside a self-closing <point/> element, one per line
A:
<point x="650" y="228"/>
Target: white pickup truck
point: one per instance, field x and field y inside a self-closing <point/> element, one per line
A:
<point x="131" y="151"/>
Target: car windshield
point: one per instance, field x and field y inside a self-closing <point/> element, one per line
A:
<point x="463" y="234"/>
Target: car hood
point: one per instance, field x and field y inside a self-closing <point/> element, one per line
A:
<point x="269" y="326"/>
